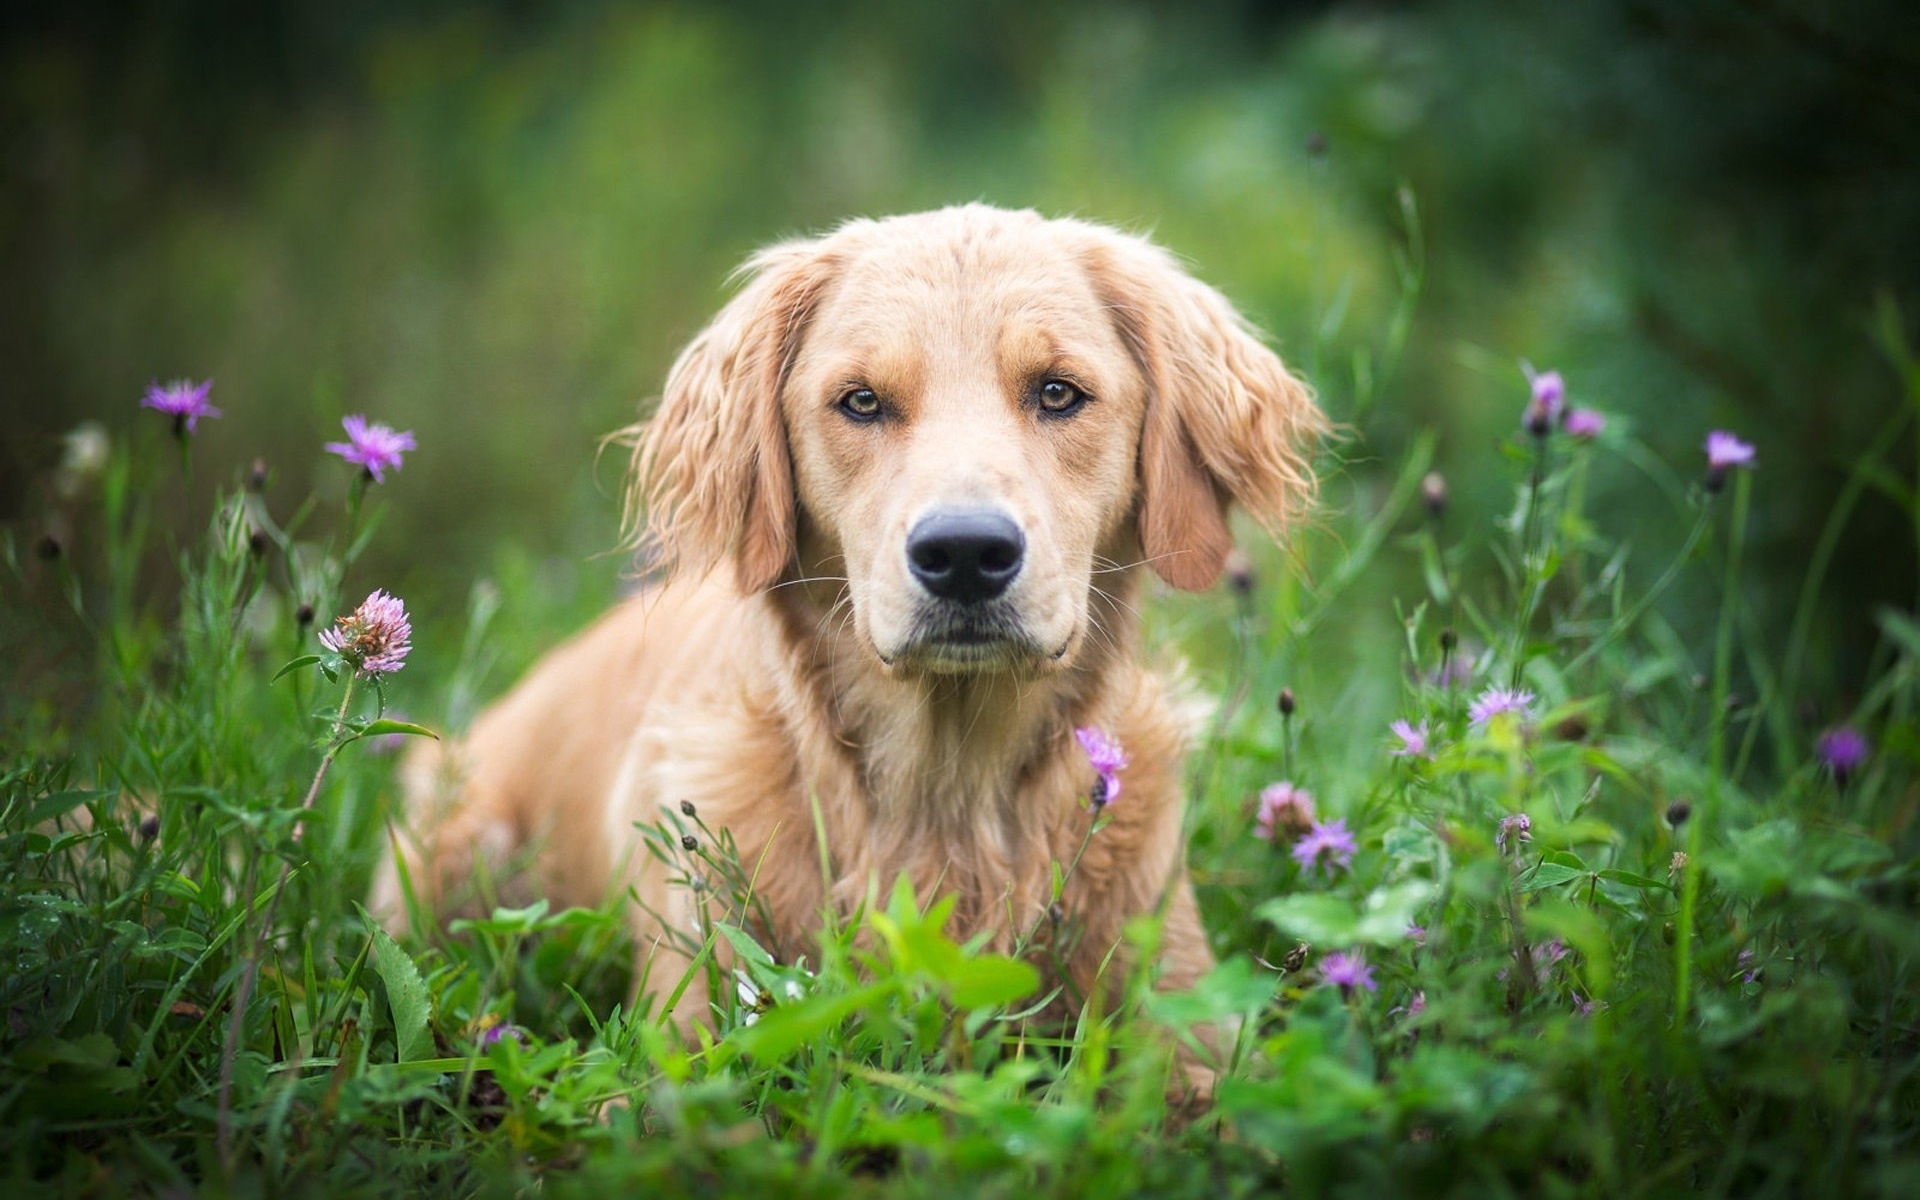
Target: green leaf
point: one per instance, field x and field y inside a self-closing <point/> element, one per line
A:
<point x="991" y="980"/>
<point x="386" y="725"/>
<point x="305" y="660"/>
<point x="406" y="993"/>
<point x="1549" y="874"/>
<point x="1628" y="878"/>
<point x="777" y="1034"/>
<point x="1328" y="920"/>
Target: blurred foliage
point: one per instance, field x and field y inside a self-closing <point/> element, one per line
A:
<point x="495" y="224"/>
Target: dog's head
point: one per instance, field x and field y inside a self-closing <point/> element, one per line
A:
<point x="971" y="416"/>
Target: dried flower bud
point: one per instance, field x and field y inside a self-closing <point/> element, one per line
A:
<point x="686" y="808"/>
<point x="257" y="476"/>
<point x="1433" y="493"/>
<point x="1678" y="812"/>
<point x="303" y="616"/>
<point x="1296" y="958"/>
<point x="1539" y="419"/>
<point x="149" y="827"/>
<point x="1240" y="571"/>
<point x="689" y="843"/>
<point x="257" y="544"/>
<point x="1287" y="704"/>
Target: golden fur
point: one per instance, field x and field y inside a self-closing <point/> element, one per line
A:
<point x="787" y="664"/>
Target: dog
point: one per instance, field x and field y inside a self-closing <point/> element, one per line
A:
<point x="904" y="492"/>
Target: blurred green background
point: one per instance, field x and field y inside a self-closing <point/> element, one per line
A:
<point x="495" y="223"/>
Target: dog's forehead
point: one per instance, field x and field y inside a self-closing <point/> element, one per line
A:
<point x="997" y="287"/>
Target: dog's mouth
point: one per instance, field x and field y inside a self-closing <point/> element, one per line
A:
<point x="967" y="642"/>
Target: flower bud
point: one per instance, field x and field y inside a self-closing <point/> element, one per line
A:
<point x="1240" y="572"/>
<point x="257" y="544"/>
<point x="1055" y="913"/>
<point x="303" y="616"/>
<point x="257" y="476"/>
<point x="1286" y="703"/>
<point x="1296" y="958"/>
<point x="1678" y="812"/>
<point x="149" y="827"/>
<point x="48" y="547"/>
<point x="1449" y="639"/>
<point x="1433" y="493"/>
<point x="689" y="843"/>
<point x="686" y="808"/>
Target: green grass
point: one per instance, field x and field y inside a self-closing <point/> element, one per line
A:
<point x="195" y="1000"/>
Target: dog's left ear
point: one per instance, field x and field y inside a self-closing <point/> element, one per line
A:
<point x="1226" y="420"/>
<point x="712" y="475"/>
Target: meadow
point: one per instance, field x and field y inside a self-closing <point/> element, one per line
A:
<point x="1554" y="822"/>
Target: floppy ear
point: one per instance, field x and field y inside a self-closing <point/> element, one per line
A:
<point x="712" y="477"/>
<point x="1226" y="421"/>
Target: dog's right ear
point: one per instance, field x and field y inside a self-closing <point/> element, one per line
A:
<point x="712" y="476"/>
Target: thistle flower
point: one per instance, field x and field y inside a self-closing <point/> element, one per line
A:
<point x="1724" y="452"/>
<point x="1841" y="750"/>
<point x="185" y="402"/>
<point x="1585" y="423"/>
<point x="1330" y="842"/>
<point x="1514" y="829"/>
<point x="1347" y="971"/>
<point x="1413" y="740"/>
<point x="1108" y="759"/>
<point x="375" y="638"/>
<point x="1495" y="700"/>
<point x="1549" y="390"/>
<point x="1284" y="809"/>
<point x="372" y="446"/>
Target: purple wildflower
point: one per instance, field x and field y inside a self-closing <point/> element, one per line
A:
<point x="494" y="1034"/>
<point x="1549" y="390"/>
<point x="1724" y="452"/>
<point x="1417" y="934"/>
<point x="1347" y="971"/>
<point x="1494" y="701"/>
<point x="1842" y="750"/>
<point x="375" y="447"/>
<point x="1585" y="423"/>
<point x="1744" y="962"/>
<point x="374" y="638"/>
<point x="1331" y="842"/>
<point x="1516" y="829"/>
<point x="1587" y="1006"/>
<point x="1284" y="808"/>
<point x="185" y="402"/>
<point x="1413" y="740"/>
<point x="1411" y="1008"/>
<point x="1108" y="759"/>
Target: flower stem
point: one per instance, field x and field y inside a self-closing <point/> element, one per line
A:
<point x="1532" y="585"/>
<point x="250" y="971"/>
<point x="1716" y="752"/>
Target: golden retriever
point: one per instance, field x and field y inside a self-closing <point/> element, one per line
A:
<point x="905" y="488"/>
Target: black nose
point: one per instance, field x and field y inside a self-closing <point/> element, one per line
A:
<point x="965" y="556"/>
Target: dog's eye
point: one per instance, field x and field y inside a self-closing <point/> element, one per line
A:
<point x="861" y="404"/>
<point x="1059" y="397"/>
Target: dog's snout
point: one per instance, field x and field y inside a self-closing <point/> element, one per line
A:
<point x="965" y="556"/>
